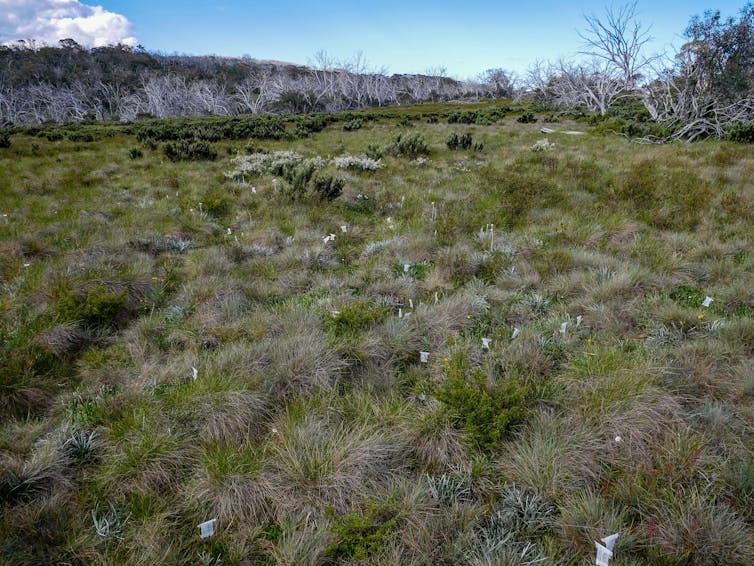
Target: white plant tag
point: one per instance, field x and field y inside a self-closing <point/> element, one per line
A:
<point x="437" y="298"/>
<point x="400" y="312"/>
<point x="578" y="320"/>
<point x="516" y="332"/>
<point x="194" y="373"/>
<point x="707" y="301"/>
<point x="603" y="555"/>
<point x="411" y="303"/>
<point x="254" y="190"/>
<point x="344" y="228"/>
<point x="486" y="343"/>
<point x="207" y="528"/>
<point x="424" y="356"/>
<point x="229" y="231"/>
<point x="610" y="541"/>
<point x="563" y="327"/>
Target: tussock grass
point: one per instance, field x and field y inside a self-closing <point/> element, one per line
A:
<point x="312" y="429"/>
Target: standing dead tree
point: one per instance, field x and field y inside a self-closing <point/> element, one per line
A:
<point x="618" y="39"/>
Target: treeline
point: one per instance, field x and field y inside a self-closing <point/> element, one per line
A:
<point x="70" y="83"/>
<point x="706" y="89"/>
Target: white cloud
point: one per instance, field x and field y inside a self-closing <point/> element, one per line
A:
<point x="49" y="21"/>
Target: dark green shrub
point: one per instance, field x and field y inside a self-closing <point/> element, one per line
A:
<point x="53" y="135"/>
<point x="135" y="153"/>
<point x="416" y="270"/>
<point x="4" y="140"/>
<point x="86" y="137"/>
<point x="455" y="142"/>
<point x="327" y="186"/>
<point x="310" y="125"/>
<point x="98" y="306"/>
<point x="298" y="177"/>
<point x="149" y="144"/>
<point x="362" y="533"/>
<point x="409" y="145"/>
<point x="352" y="125"/>
<point x="526" y="118"/>
<point x="217" y="203"/>
<point x="190" y="150"/>
<point x="356" y="317"/>
<point x="484" y="408"/>
<point x="741" y="132"/>
<point x="689" y="297"/>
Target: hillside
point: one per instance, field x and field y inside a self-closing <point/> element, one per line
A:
<point x="419" y="335"/>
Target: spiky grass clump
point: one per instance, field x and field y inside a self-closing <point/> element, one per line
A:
<point x="316" y="463"/>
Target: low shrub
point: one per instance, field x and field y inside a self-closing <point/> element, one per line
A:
<point x="217" y="203"/>
<point x="741" y="132"/>
<point x="362" y="533"/>
<point x="456" y="142"/>
<point x="526" y="118"/>
<point x="355" y="317"/>
<point x="484" y="408"/>
<point x="135" y="153"/>
<point x="408" y="145"/>
<point x="353" y="125"/>
<point x="190" y="150"/>
<point x="327" y="186"/>
<point x="99" y="306"/>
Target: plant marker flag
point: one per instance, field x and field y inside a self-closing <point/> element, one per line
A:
<point x="605" y="553"/>
<point x="207" y="528"/>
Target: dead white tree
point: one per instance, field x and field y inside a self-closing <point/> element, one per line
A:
<point x="618" y="39"/>
<point x="709" y="85"/>
<point x="258" y="91"/>
<point x="594" y="86"/>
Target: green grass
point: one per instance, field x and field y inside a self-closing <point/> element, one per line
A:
<point x="311" y="429"/>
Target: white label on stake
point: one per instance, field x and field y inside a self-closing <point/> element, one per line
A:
<point x="344" y="228"/>
<point x="486" y="343"/>
<point x="610" y="541"/>
<point x="194" y="373"/>
<point x="400" y="312"/>
<point x="516" y="332"/>
<point x="603" y="555"/>
<point x="578" y="320"/>
<point x="254" y="190"/>
<point x="207" y="528"/>
<point x="424" y="356"/>
<point x="707" y="301"/>
<point x="437" y="298"/>
<point x="411" y="303"/>
<point x="406" y="267"/>
<point x="563" y="327"/>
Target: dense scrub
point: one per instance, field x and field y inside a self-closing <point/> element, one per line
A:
<point x="360" y="344"/>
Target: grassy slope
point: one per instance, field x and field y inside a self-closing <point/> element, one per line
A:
<point x="317" y="437"/>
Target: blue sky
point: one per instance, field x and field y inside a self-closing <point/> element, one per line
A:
<point x="466" y="37"/>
